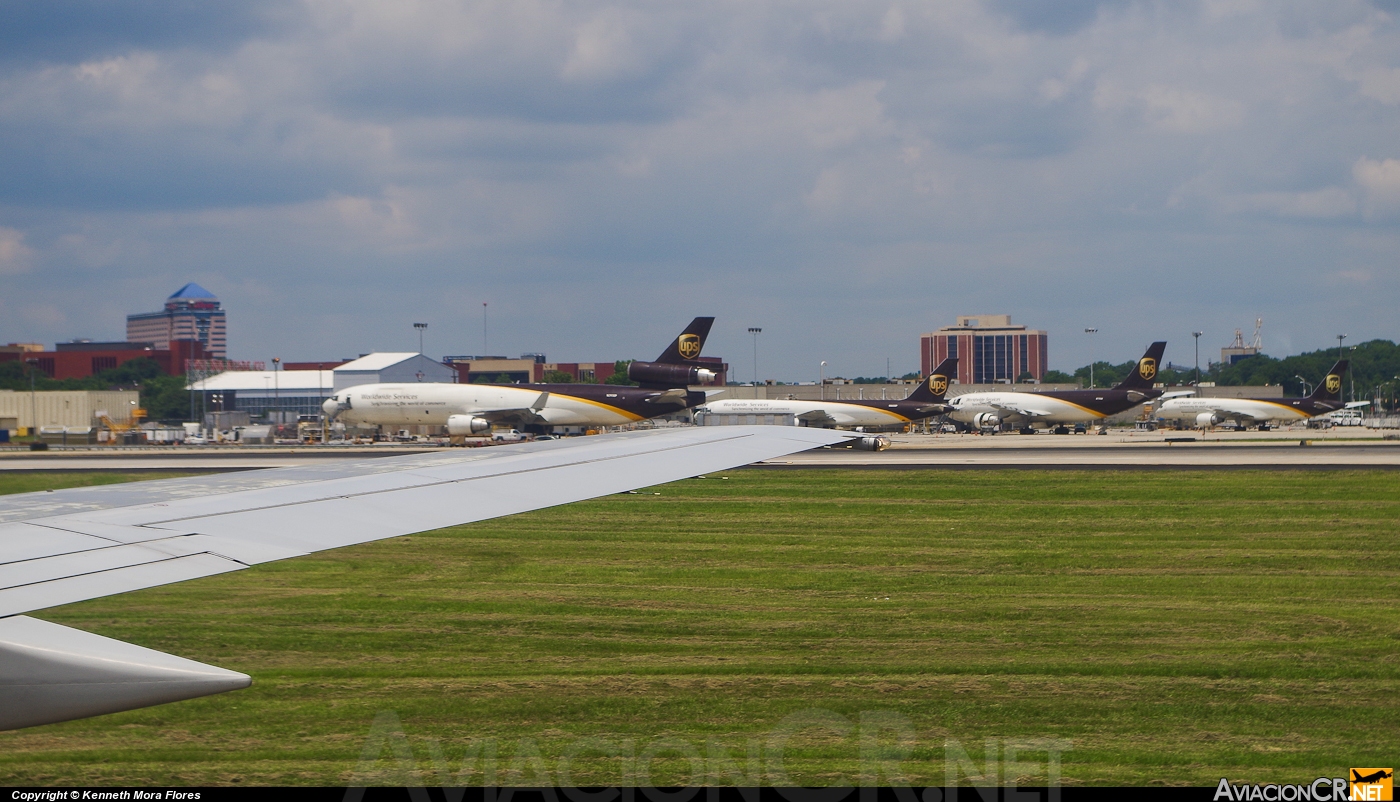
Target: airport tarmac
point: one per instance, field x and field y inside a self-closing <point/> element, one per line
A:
<point x="1324" y="449"/>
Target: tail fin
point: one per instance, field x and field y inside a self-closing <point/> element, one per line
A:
<point x="1145" y="372"/>
<point x="936" y="385"/>
<point x="687" y="346"/>
<point x="1330" y="389"/>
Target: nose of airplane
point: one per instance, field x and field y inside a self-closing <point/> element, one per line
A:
<point x="330" y="406"/>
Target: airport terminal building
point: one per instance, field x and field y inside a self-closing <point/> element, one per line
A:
<point x="990" y="350"/>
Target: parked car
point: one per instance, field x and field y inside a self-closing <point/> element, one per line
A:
<point x="511" y="436"/>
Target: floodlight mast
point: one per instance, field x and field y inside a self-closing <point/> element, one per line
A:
<point x="1197" y="335"/>
<point x="1091" y="360"/>
<point x="755" y="331"/>
<point x="421" y="327"/>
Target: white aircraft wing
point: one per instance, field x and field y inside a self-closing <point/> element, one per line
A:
<point x="816" y="417"/>
<point x="1022" y="411"/>
<point x="83" y="543"/>
<point x="1357" y="404"/>
<point x="1175" y="394"/>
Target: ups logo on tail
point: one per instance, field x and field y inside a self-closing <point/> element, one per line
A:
<point x="938" y="385"/>
<point x="1374" y="785"/>
<point x="1147" y="368"/>
<point x="688" y="345"/>
<point x="1334" y="383"/>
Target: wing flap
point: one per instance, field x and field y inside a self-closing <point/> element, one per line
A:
<point x="19" y="541"/>
<point x="94" y="585"/>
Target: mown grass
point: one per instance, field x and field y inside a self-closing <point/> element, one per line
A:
<point x="1162" y="627"/>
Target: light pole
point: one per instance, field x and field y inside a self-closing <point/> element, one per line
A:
<point x="420" y="327"/>
<point x="1340" y="337"/>
<point x="1197" y="335"/>
<point x="822" y="380"/>
<point x="1351" y="373"/>
<point x="485" y="340"/>
<point x="755" y="331"/>
<point x="1305" y="385"/>
<point x="276" y="393"/>
<point x="33" y="410"/>
<point x="1091" y="360"/>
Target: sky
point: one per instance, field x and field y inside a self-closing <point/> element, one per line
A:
<point x="843" y="174"/>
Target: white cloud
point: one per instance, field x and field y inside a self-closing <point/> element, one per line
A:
<point x="1321" y="203"/>
<point x="1171" y="108"/>
<point x="15" y="256"/>
<point x="1380" y="178"/>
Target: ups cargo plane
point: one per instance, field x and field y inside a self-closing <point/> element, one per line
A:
<point x="1261" y="412"/>
<point x="472" y="409"/>
<point x="925" y="402"/>
<point x="1029" y="411"/>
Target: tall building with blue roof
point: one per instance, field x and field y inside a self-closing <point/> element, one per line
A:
<point x="191" y="313"/>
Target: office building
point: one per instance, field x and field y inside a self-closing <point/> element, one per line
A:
<point x="192" y="313"/>
<point x="990" y="350"/>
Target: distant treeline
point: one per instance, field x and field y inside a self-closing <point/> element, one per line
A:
<point x="1372" y="364"/>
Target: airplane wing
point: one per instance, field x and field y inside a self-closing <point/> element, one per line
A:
<point x="817" y="417"/>
<point x="530" y="414"/>
<point x="1175" y="394"/>
<point x="1022" y="411"/>
<point x="84" y="543"/>
<point x="675" y="396"/>
<point x="1356" y="404"/>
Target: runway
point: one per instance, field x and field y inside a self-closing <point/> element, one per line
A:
<point x="1159" y="450"/>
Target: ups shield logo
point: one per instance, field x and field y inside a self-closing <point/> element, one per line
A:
<point x="1334" y="383"/>
<point x="689" y="345"/>
<point x="1147" y="368"/>
<point x="938" y="385"/>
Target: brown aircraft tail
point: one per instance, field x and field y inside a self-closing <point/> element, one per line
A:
<point x="1330" y="388"/>
<point x="1144" y="373"/>
<point x="688" y="345"/>
<point x="935" y="386"/>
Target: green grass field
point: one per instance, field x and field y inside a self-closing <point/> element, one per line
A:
<point x="1159" y="627"/>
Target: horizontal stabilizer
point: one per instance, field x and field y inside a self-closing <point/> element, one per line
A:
<point x="54" y="673"/>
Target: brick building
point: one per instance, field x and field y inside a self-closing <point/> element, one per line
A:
<point x="990" y="350"/>
<point x="78" y="360"/>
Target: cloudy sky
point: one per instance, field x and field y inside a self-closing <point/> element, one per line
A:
<point x="843" y="174"/>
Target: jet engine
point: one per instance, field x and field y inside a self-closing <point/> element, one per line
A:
<point x="667" y="375"/>
<point x="460" y="425"/>
<point x="1205" y="420"/>
<point x="986" y="420"/>
<point x="877" y="442"/>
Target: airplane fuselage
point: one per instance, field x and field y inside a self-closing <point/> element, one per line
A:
<point x="1283" y="410"/>
<point x="1053" y="407"/>
<point x="839" y="413"/>
<point x="562" y="404"/>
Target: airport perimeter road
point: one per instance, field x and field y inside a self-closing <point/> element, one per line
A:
<point x="1087" y="451"/>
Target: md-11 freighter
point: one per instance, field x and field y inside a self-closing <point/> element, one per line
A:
<point x="1207" y="412"/>
<point x="925" y="401"/>
<point x="1028" y="411"/>
<point x="472" y="409"/>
